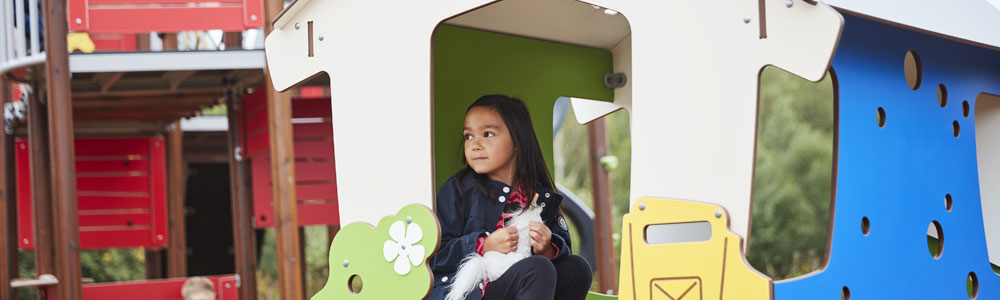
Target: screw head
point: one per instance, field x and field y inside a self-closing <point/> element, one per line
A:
<point x="78" y="21"/>
<point x="253" y="17"/>
<point x="159" y="237"/>
<point x="297" y="26"/>
<point x="409" y="220"/>
<point x="788" y="3"/>
<point x="321" y="37"/>
<point x="25" y="241"/>
<point x="746" y="19"/>
<point x="228" y="285"/>
<point x="642" y="206"/>
<point x="345" y="263"/>
<point x="718" y="214"/>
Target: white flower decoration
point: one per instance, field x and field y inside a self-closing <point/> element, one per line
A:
<point x="401" y="249"/>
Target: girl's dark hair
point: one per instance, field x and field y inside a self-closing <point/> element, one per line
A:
<point x="530" y="169"/>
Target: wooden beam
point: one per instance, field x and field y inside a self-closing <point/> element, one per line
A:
<point x="107" y="80"/>
<point x="279" y="108"/>
<point x="176" y="246"/>
<point x="41" y="197"/>
<point x="8" y="207"/>
<point x="607" y="270"/>
<point x="61" y="151"/>
<point x="154" y="264"/>
<point x="142" y="42"/>
<point x="244" y="239"/>
<point x="176" y="78"/>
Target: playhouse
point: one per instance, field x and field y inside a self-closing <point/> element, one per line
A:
<point x="345" y="84"/>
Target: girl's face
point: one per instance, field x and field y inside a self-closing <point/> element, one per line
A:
<point x="489" y="148"/>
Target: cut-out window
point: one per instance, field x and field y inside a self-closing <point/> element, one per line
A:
<point x="793" y="174"/>
<point x="678" y="233"/>
<point x="987" y="118"/>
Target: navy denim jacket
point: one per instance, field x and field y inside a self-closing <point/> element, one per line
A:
<point x="465" y="214"/>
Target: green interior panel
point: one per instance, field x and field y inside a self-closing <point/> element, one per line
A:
<point x="471" y="63"/>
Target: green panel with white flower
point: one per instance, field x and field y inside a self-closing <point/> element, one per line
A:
<point x="388" y="261"/>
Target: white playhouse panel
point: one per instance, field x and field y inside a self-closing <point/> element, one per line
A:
<point x="377" y="54"/>
<point x="694" y="79"/>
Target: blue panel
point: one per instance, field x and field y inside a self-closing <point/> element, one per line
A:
<point x="898" y="176"/>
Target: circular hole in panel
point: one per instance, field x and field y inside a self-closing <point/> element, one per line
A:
<point x="354" y="284"/>
<point x="865" y="226"/>
<point x="965" y="109"/>
<point x="880" y="117"/>
<point x="845" y="293"/>
<point x="942" y="95"/>
<point x="947" y="202"/>
<point x="913" y="69"/>
<point x="935" y="239"/>
<point x="955" y="128"/>
<point x="972" y="285"/>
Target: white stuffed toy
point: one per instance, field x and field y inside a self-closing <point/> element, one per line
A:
<point x="477" y="268"/>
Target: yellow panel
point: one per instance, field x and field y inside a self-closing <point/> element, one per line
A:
<point x="711" y="269"/>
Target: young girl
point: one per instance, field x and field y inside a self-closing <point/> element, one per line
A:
<point x="504" y="171"/>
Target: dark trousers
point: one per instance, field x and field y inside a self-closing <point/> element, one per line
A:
<point x="537" y="277"/>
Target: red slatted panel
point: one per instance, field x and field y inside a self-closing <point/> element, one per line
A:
<point x="163" y="289"/>
<point x="316" y="180"/>
<point x="113" y="42"/>
<point x="121" y="189"/>
<point x="144" y="16"/>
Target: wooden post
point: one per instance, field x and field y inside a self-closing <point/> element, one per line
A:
<point x="233" y="40"/>
<point x="168" y="41"/>
<point x="61" y="151"/>
<point x="142" y="42"/>
<point x="176" y="246"/>
<point x="41" y="197"/>
<point x="244" y="242"/>
<point x="154" y="264"/>
<point x="606" y="270"/>
<point x="8" y="207"/>
<point x="286" y="223"/>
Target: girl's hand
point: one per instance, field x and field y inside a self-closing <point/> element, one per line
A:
<point x="541" y="239"/>
<point x="503" y="240"/>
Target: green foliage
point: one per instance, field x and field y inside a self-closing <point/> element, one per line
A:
<point x="100" y="265"/>
<point x="573" y="169"/>
<point x="217" y="110"/>
<point x="792" y="176"/>
<point x="317" y="246"/>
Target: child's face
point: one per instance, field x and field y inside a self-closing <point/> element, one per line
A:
<point x="489" y="148"/>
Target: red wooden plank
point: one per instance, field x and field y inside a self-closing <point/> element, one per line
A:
<point x="307" y="191"/>
<point x="261" y="178"/>
<point x="25" y="216"/>
<point x="141" y="3"/>
<point x="122" y="165"/>
<point x="319" y="214"/>
<point x="314" y="149"/>
<point x="255" y="101"/>
<point x="76" y="13"/>
<point x="253" y="13"/>
<point x="92" y="219"/>
<point x="111" y="202"/>
<point x="165" y="19"/>
<point x="256" y="122"/>
<point x="314" y="171"/>
<point x="163" y="289"/>
<point x="258" y="144"/>
<point x="110" y="147"/>
<point x="113" y="184"/>
<point x="158" y="182"/>
<point x="311" y="108"/>
<point x="91" y="239"/>
<point x="308" y="130"/>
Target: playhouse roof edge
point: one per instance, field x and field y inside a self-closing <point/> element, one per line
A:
<point x="966" y="21"/>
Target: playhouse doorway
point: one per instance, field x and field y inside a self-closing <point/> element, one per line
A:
<point x="536" y="51"/>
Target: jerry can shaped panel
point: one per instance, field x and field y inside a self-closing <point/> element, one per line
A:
<point x="683" y="250"/>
